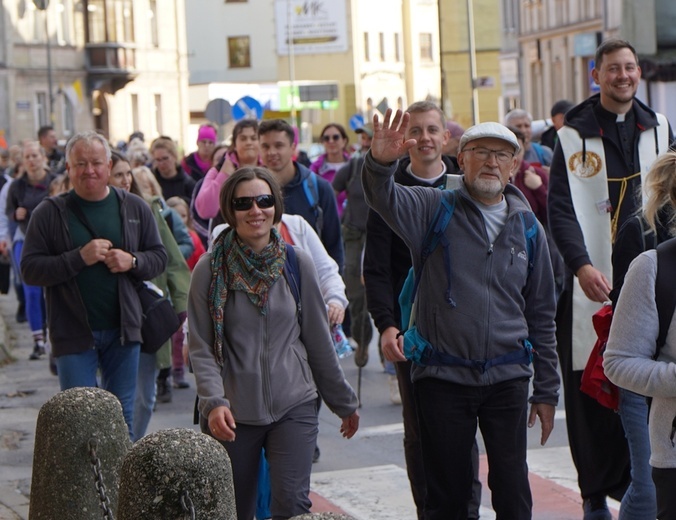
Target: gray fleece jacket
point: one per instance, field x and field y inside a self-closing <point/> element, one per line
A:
<point x="271" y="363"/>
<point x="498" y="303"/>
<point x="628" y="361"/>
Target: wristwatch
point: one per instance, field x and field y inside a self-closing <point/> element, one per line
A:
<point x="133" y="262"/>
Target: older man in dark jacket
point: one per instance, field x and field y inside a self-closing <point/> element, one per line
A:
<point x="94" y="313"/>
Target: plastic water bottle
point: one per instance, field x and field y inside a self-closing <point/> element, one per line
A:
<point x="340" y="343"/>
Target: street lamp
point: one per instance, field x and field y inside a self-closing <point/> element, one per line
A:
<point x="42" y="6"/>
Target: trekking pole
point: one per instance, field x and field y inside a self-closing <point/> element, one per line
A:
<point x="359" y="385"/>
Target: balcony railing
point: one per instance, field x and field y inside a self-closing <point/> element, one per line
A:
<point x="110" y="57"/>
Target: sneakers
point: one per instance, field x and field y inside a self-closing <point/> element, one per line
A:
<point x="395" y="397"/>
<point x="179" y="381"/>
<point x="595" y="508"/>
<point x="38" y="351"/>
<point x="163" y="391"/>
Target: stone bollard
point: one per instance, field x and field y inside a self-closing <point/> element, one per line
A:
<point x="80" y="441"/>
<point x="322" y="516"/>
<point x="177" y="473"/>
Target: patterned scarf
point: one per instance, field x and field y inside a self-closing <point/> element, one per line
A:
<point x="236" y="267"/>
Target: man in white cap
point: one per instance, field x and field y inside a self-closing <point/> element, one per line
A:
<point x="483" y="299"/>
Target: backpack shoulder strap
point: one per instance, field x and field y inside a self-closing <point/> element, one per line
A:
<point x="292" y="275"/>
<point x="665" y="295"/>
<point x="435" y="234"/>
<point x="310" y="189"/>
<point x="530" y="230"/>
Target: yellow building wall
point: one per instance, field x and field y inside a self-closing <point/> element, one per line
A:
<point x="455" y="59"/>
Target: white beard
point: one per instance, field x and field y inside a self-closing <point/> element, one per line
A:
<point x="486" y="188"/>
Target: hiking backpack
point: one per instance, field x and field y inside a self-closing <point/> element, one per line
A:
<point x="417" y="348"/>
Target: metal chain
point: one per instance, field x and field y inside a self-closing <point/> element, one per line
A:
<point x="187" y="506"/>
<point x="98" y="479"/>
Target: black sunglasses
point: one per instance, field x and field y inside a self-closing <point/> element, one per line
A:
<point x="245" y="203"/>
<point x="333" y="137"/>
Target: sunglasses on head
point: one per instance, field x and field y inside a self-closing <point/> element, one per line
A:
<point x="332" y="137"/>
<point x="245" y="203"/>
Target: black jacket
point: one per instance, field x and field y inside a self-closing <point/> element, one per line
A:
<point x="181" y="185"/>
<point x="592" y="121"/>
<point x="50" y="260"/>
<point x="386" y="257"/>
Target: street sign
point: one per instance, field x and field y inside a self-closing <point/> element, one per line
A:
<point x="247" y="108"/>
<point x="218" y="111"/>
<point x="356" y="121"/>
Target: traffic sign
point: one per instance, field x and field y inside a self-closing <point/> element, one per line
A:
<point x="247" y="108"/>
<point x="356" y="121"/>
<point x="218" y="111"/>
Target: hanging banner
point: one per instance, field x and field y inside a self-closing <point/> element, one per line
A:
<point x="311" y="26"/>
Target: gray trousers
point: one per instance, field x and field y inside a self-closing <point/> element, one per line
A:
<point x="289" y="445"/>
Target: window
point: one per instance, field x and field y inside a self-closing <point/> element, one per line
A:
<point x="367" y="53"/>
<point x="63" y="23"/>
<point x="134" y="112"/>
<point x="397" y="55"/>
<point x="152" y="18"/>
<point x="426" y="47"/>
<point x="96" y="15"/>
<point x="239" y="52"/>
<point x="381" y="46"/>
<point x="158" y="114"/>
<point x="41" y="109"/>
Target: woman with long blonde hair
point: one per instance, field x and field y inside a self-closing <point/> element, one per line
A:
<point x="652" y="226"/>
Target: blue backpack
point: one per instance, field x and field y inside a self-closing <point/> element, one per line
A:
<point x="312" y="195"/>
<point x="417" y="348"/>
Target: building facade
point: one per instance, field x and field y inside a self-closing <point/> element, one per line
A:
<point x="112" y="65"/>
<point x="313" y="61"/>
<point x="548" y="49"/>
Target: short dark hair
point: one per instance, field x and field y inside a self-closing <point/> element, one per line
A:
<point x="239" y="128"/>
<point x="610" y="46"/>
<point x="249" y="174"/>
<point x="277" y="125"/>
<point x="44" y="130"/>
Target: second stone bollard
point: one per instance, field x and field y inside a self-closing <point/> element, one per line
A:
<point x="80" y="441"/>
<point x="177" y="473"/>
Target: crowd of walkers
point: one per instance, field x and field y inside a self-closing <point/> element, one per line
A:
<point x="269" y="259"/>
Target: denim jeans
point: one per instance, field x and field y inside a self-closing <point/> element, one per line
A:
<point x="118" y="364"/>
<point x="448" y="414"/>
<point x="32" y="294"/>
<point x="146" y="392"/>
<point x="639" y="501"/>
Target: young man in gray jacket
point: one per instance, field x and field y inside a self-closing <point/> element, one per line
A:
<point x="483" y="312"/>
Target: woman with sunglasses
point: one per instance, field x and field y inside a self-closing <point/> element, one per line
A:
<point x="334" y="138"/>
<point x="258" y="364"/>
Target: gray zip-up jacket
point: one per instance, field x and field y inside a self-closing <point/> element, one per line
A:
<point x="50" y="260"/>
<point x="271" y="363"/>
<point x="498" y="303"/>
<point x="628" y="360"/>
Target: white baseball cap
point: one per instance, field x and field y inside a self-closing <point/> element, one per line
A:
<point x="489" y="130"/>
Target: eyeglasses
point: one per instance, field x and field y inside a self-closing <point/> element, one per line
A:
<point x="483" y="154"/>
<point x="246" y="203"/>
<point x="332" y="137"/>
